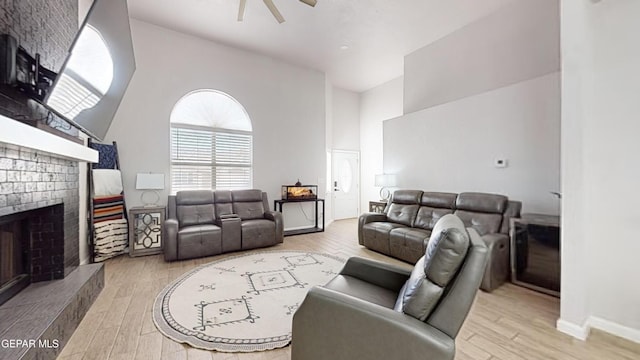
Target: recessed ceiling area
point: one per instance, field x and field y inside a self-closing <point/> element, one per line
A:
<point x="359" y="44"/>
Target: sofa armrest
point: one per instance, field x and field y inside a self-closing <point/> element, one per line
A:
<point x="230" y="225"/>
<point x="277" y="218"/>
<point x="512" y="211"/>
<point x="388" y="276"/>
<point x="170" y="240"/>
<point x="365" y="219"/>
<point x="497" y="270"/>
<point x="333" y="325"/>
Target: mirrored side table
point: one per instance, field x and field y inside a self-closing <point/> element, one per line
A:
<point x="146" y="230"/>
<point x="377" y="206"/>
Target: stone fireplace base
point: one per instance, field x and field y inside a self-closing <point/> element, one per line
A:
<point x="39" y="321"/>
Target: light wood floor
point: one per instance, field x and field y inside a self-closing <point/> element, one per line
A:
<point x="510" y="323"/>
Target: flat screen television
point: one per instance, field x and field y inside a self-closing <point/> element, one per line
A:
<point x="94" y="77"/>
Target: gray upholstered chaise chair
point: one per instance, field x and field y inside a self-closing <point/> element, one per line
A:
<point x="372" y="310"/>
<point x="204" y="223"/>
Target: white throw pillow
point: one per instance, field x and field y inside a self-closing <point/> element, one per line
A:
<point x="107" y="182"/>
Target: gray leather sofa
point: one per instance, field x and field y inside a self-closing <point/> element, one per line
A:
<point x="403" y="230"/>
<point x="204" y="223"/>
<point x="364" y="313"/>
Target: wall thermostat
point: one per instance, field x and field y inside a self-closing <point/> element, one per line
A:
<point x="500" y="163"/>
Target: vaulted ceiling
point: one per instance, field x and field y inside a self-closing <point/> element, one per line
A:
<point x="359" y="44"/>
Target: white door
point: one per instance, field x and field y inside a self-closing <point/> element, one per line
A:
<point x="345" y="174"/>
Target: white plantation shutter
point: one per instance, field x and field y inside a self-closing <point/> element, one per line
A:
<point x="203" y="159"/>
<point x="211" y="143"/>
<point x="232" y="159"/>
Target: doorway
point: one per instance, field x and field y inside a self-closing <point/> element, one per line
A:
<point x="345" y="181"/>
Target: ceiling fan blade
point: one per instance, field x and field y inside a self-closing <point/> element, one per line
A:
<point x="243" y="3"/>
<point x="274" y="10"/>
<point x="311" y="3"/>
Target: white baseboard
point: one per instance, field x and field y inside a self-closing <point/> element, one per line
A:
<point x="300" y="227"/>
<point x="593" y="322"/>
<point x="614" y="329"/>
<point x="577" y="331"/>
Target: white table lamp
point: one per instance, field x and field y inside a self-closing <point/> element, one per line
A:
<point x="385" y="181"/>
<point x="149" y="183"/>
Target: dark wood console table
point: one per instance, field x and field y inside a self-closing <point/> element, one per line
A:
<point x="277" y="206"/>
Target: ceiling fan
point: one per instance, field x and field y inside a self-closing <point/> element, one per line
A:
<point x="272" y="7"/>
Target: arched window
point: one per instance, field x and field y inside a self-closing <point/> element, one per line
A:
<point x="211" y="143"/>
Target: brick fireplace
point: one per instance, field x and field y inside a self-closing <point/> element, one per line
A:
<point x="39" y="200"/>
<point x="39" y="224"/>
<point x="32" y="180"/>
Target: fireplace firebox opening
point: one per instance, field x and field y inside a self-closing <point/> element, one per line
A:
<point x="31" y="248"/>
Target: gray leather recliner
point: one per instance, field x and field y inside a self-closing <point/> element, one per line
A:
<point x="353" y="316"/>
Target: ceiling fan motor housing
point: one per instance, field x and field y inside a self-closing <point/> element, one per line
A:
<point x="272" y="7"/>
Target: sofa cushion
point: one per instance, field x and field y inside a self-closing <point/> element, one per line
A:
<point x="482" y="202"/>
<point x="445" y="253"/>
<point x="427" y="217"/>
<point x="249" y="210"/>
<point x="408" y="244"/>
<point x="402" y="213"/>
<point x="199" y="240"/>
<point x="258" y="233"/>
<point x="376" y="235"/>
<point x="406" y="197"/>
<point x="439" y="200"/>
<point x="248" y="204"/>
<point x="246" y="195"/>
<point x="195" y="207"/>
<point x="483" y="223"/>
<point x="404" y="206"/>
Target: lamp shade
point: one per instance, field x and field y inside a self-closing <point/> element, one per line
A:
<point x="149" y="181"/>
<point x="385" y="180"/>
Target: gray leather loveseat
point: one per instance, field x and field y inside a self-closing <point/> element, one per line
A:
<point x="204" y="223"/>
<point x="403" y="230"/>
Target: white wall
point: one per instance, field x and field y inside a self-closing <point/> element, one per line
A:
<point x="345" y="119"/>
<point x="516" y="43"/>
<point x="345" y="130"/>
<point x="380" y="103"/>
<point x="488" y="91"/>
<point x="600" y="173"/>
<point x="328" y="201"/>
<point x="286" y="105"/>
<point x="452" y="147"/>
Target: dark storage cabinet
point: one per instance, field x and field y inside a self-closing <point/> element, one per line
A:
<point x="535" y="252"/>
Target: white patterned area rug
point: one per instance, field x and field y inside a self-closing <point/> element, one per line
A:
<point x="243" y="303"/>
